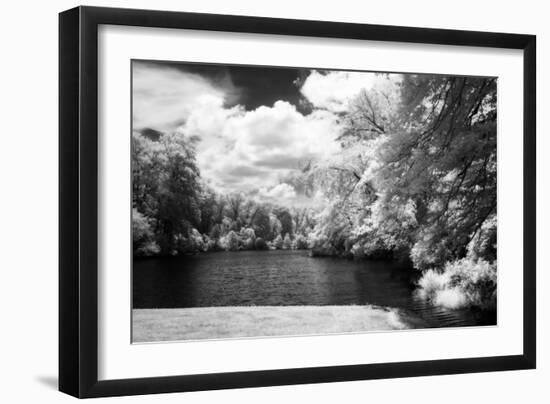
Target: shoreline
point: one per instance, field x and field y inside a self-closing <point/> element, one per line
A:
<point x="200" y="323"/>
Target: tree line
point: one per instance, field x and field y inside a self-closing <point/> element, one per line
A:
<point x="175" y="212"/>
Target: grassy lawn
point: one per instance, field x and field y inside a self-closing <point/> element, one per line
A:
<point x="255" y="321"/>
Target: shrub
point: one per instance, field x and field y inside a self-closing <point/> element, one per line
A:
<point x="181" y="245"/>
<point x="192" y="243"/>
<point x="318" y="240"/>
<point x="431" y="282"/>
<point x="300" y="242"/>
<point x="211" y="245"/>
<point x="247" y="233"/>
<point x="142" y="235"/>
<point x="287" y="242"/>
<point x="246" y="238"/>
<point x="230" y="242"/>
<point x="453" y="298"/>
<point x="462" y="283"/>
<point x="260" y="244"/>
<point x="278" y="242"/>
<point x="248" y="244"/>
<point x="196" y="241"/>
<point x="147" y="249"/>
<point x="484" y="244"/>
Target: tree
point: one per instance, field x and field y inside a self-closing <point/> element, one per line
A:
<point x="278" y="242"/>
<point x="235" y="208"/>
<point x="142" y="235"/>
<point x="304" y="221"/>
<point x="226" y="225"/>
<point x="285" y="219"/>
<point x="215" y="232"/>
<point x="416" y="172"/>
<point x="274" y="226"/>
<point x="208" y="201"/>
<point x="287" y="242"/>
<point x="166" y="186"/>
<point x="443" y="167"/>
<point x="178" y="194"/>
<point x="261" y="223"/>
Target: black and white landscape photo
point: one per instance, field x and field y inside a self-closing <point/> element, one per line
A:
<point x="278" y="201"/>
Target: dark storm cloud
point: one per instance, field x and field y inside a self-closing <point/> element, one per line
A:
<point x="250" y="86"/>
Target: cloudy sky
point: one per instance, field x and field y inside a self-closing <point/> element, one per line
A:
<point x="257" y="125"/>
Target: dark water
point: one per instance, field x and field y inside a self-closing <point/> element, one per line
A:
<point x="284" y="278"/>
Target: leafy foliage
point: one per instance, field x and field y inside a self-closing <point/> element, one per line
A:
<point x="416" y="176"/>
<point x="462" y="283"/>
<point x="143" y="236"/>
<point x="166" y="187"/>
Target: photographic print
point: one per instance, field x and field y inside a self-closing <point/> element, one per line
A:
<point x="285" y="201"/>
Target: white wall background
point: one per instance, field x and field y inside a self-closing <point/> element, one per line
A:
<point x="28" y="200"/>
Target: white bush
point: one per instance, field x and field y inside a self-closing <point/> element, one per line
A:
<point x="462" y="283"/>
<point x="453" y="298"/>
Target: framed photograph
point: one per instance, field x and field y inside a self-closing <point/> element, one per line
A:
<point x="251" y="201"/>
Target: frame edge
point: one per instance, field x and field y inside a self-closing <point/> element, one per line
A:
<point x="529" y="201"/>
<point x="69" y="81"/>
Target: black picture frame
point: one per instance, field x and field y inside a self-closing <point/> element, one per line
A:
<point x="78" y="201"/>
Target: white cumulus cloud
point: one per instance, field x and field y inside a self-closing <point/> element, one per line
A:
<point x="279" y="192"/>
<point x="252" y="150"/>
<point x="333" y="90"/>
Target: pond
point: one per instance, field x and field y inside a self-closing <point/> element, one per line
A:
<point x="285" y="278"/>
